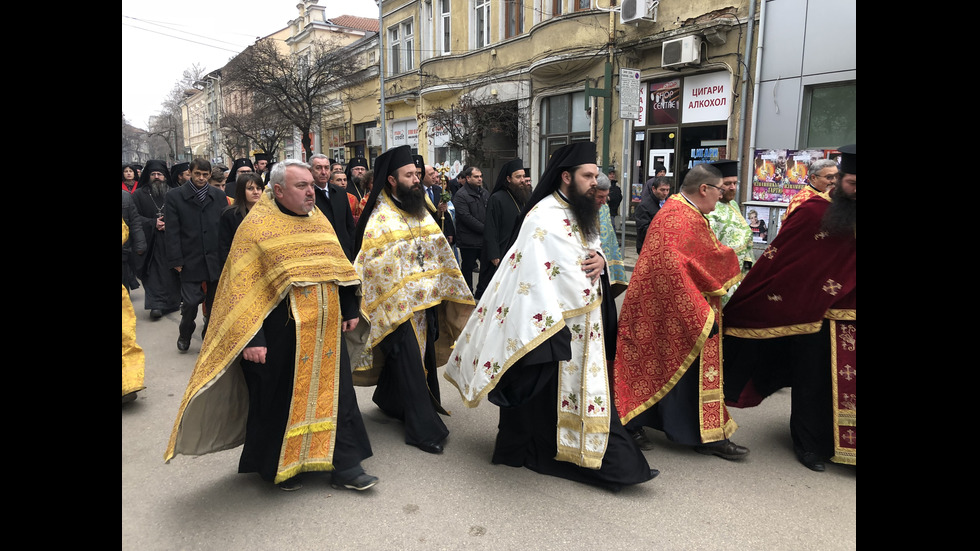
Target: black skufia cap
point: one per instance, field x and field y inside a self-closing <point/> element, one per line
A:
<point x="728" y="168"/>
<point x="848" y="158"/>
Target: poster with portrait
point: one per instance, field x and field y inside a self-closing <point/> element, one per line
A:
<point x="758" y="219"/>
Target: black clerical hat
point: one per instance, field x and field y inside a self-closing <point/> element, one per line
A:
<point x="508" y="169"/>
<point x="727" y="167"/>
<point x="848" y="158"/>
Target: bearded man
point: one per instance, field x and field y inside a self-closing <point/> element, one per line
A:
<point x="793" y="322"/>
<point x="503" y="216"/>
<point x="160" y="282"/>
<point x="728" y="223"/>
<point x="407" y="271"/>
<point x="538" y="341"/>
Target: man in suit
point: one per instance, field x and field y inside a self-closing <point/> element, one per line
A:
<point x="332" y="201"/>
<point x="434" y="191"/>
<point x="192" y="213"/>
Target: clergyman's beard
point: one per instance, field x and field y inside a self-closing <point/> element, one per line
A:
<point x="585" y="212"/>
<point x="841" y="215"/>
<point x="519" y="192"/>
<point x="159" y="189"/>
<point x="412" y="199"/>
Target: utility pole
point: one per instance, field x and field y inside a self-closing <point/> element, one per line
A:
<point x="381" y="75"/>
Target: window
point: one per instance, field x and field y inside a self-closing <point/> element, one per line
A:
<point x="829" y="115"/>
<point x="513" y="18"/>
<point x="401" y="46"/>
<point x="582" y="5"/>
<point x="563" y="121"/>
<point x="443" y="28"/>
<point x="556" y="7"/>
<point x="481" y="23"/>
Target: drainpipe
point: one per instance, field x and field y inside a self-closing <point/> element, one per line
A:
<point x="745" y="85"/>
<point x="758" y="75"/>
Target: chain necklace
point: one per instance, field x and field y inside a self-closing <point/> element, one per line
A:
<point x="419" y="255"/>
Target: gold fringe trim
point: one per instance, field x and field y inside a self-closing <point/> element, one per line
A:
<point x="311" y="428"/>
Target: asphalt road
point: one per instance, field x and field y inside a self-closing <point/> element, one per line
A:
<point x="459" y="500"/>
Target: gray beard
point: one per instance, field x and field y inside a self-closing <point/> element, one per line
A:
<point x="159" y="190"/>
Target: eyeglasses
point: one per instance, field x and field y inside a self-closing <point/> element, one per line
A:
<point x="719" y="188"/>
<point x="832" y="176"/>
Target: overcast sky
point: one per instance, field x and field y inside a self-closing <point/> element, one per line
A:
<point x="162" y="38"/>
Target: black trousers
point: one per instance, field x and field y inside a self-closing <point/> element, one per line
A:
<point x="468" y="258"/>
<point x="408" y="386"/>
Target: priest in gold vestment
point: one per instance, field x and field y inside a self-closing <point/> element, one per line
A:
<point x="273" y="372"/>
<point x="409" y="276"/>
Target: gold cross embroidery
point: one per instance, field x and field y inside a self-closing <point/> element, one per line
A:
<point x="820" y="235"/>
<point x="848" y="372"/>
<point x="832" y="287"/>
<point x="849" y="436"/>
<point x="711" y="374"/>
<point x="769" y="252"/>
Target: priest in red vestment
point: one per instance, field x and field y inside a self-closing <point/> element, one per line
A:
<point x="792" y="322"/>
<point x="668" y="370"/>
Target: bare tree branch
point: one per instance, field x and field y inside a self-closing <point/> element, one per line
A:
<point x="293" y="85"/>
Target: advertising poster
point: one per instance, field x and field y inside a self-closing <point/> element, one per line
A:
<point x="665" y="101"/>
<point x="758" y="219"/>
<point x="781" y="173"/>
<point x="707" y="97"/>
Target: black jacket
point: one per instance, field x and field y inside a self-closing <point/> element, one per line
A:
<point x="192" y="232"/>
<point x="337" y="210"/>
<point x="471" y="213"/>
<point x="644" y="213"/>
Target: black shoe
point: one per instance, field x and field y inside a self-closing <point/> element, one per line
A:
<point x="654" y="473"/>
<point x="183" y="344"/>
<point x="430" y="447"/>
<point x="360" y="482"/>
<point x="640" y="437"/>
<point x="810" y="460"/>
<point x="128" y="397"/>
<point x="156" y="314"/>
<point x="290" y="485"/>
<point x="725" y="449"/>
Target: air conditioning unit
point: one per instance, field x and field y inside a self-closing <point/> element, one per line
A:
<point x="373" y="137"/>
<point x="681" y="52"/>
<point x="633" y="11"/>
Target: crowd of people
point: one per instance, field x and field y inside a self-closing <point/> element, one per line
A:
<point x="317" y="277"/>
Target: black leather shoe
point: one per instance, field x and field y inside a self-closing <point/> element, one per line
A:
<point x="810" y="460"/>
<point x="290" y="485"/>
<point x="640" y="437"/>
<point x="654" y="473"/>
<point x="183" y="344"/>
<point x="430" y="447"/>
<point x="360" y="482"/>
<point x="156" y="314"/>
<point x="725" y="449"/>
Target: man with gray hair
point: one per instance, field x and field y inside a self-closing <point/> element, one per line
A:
<point x="821" y="178"/>
<point x="618" y="279"/>
<point x="668" y="369"/>
<point x="274" y="373"/>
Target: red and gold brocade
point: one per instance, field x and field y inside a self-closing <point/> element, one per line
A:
<point x="670" y="306"/>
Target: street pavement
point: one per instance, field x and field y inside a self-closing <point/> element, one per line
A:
<point x="459" y="500"/>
